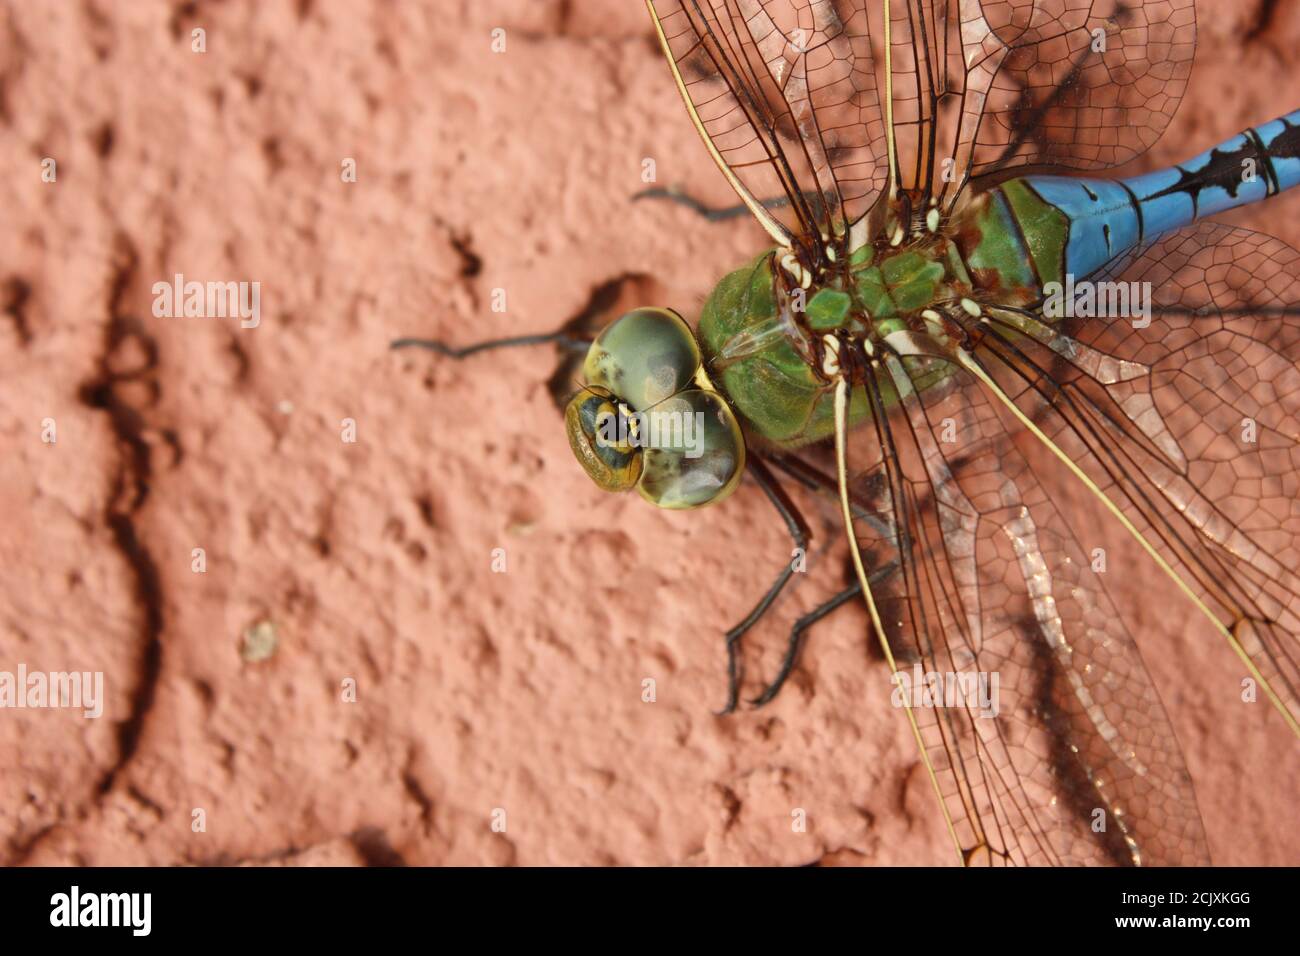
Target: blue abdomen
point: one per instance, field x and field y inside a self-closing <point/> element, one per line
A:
<point x="1110" y="217"/>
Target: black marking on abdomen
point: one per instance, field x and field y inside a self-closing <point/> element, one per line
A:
<point x="1270" y="174"/>
<point x="1137" y="206"/>
<point x="1286" y="145"/>
<point x="1223" y="170"/>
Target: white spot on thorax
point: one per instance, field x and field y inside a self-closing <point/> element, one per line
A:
<point x="831" y="359"/>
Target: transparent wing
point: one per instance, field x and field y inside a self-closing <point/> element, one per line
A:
<point x="981" y="86"/>
<point x="1191" y="424"/>
<point x="785" y="92"/>
<point x="788" y="93"/>
<point x="1067" y="756"/>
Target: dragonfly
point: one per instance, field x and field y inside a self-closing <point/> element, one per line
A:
<point x="959" y="324"/>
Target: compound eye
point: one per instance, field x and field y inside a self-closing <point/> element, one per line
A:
<point x="643" y="357"/>
<point x="602" y="439"/>
<point x="695" y="452"/>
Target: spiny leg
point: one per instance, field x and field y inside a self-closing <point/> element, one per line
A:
<point x="563" y="339"/>
<point x="795" y="643"/>
<point x="796" y="640"/>
<point x="816" y="480"/>
<point x="714" y="213"/>
<point x="711" y="213"/>
<point x="800" y="534"/>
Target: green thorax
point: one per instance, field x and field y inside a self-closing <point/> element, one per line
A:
<point x="757" y="338"/>
<point x="1013" y="242"/>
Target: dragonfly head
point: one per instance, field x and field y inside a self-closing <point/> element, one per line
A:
<point x="647" y="418"/>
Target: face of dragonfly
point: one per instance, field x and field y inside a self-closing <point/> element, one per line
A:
<point x="643" y="421"/>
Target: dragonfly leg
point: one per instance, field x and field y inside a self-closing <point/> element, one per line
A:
<point x="796" y="640"/>
<point x="808" y="620"/>
<point x="800" y="534"/>
<point x="565" y="340"/>
<point x="711" y="213"/>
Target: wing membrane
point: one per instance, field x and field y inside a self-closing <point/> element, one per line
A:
<point x="1082" y="85"/>
<point x="788" y="93"/>
<point x="981" y="86"/>
<point x="785" y="92"/>
<point x="1191" y="425"/>
<point x="995" y="583"/>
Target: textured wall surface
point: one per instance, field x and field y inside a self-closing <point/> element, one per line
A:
<point x="371" y="560"/>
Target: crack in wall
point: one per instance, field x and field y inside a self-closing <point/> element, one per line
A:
<point x="16" y="295"/>
<point x="130" y="490"/>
